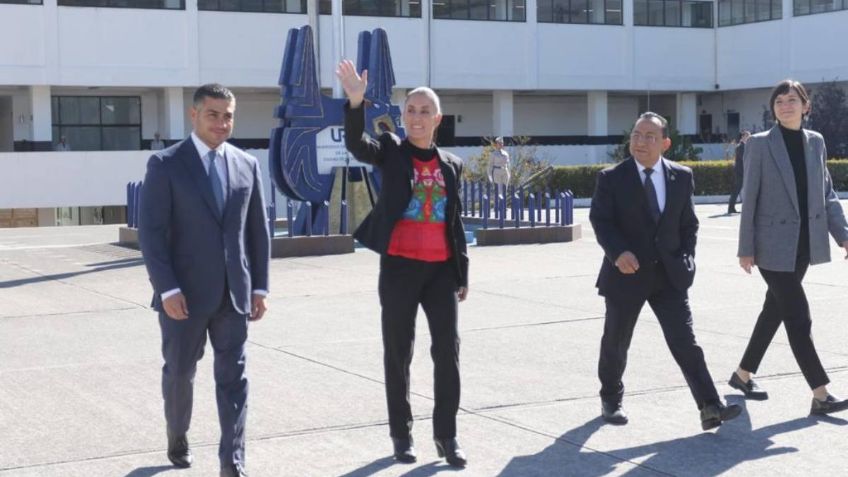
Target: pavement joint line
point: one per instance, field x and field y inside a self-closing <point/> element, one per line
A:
<point x="68" y="313"/>
<point x="529" y="325"/>
<point x="6" y="248"/>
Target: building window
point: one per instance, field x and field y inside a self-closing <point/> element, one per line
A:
<point x="809" y="7"/>
<point x="673" y="13"/>
<point x="382" y="8"/>
<point x="603" y="12"/>
<point x="98" y="123"/>
<point x="261" y="6"/>
<point x="325" y="7"/>
<point x="489" y="10"/>
<point x="738" y="12"/>
<point x="152" y="4"/>
<point x="23" y="2"/>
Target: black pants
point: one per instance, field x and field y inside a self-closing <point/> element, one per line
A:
<point x="786" y="303"/>
<point x="404" y="284"/>
<point x="671" y="306"/>
<point x="737" y="188"/>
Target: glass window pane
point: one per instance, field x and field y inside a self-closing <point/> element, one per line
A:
<point x="121" y="110"/>
<point x="819" y="6"/>
<point x="776" y="9"/>
<point x="325" y="7"/>
<point x="459" y="9"/>
<point x="544" y="11"/>
<point x="737" y="15"/>
<point x="250" y="5"/>
<point x="54" y="109"/>
<point x="207" y="5"/>
<point x="724" y="12"/>
<point x="440" y="9"/>
<point x="81" y="138"/>
<point x="640" y="12"/>
<point x="274" y="6"/>
<point x="613" y="12"/>
<point x="519" y="11"/>
<point x="763" y="10"/>
<point x="479" y="10"/>
<point x="228" y="5"/>
<point x="121" y="139"/>
<point x="579" y="13"/>
<point x="672" y="13"/>
<point x="697" y="14"/>
<point x="414" y="8"/>
<point x="750" y="10"/>
<point x="655" y="12"/>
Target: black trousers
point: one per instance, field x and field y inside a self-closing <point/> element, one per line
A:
<point x="403" y="285"/>
<point x="183" y="342"/>
<point x="786" y="303"/>
<point x="737" y="188"/>
<point x="671" y="306"/>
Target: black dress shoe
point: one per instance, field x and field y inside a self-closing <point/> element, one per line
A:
<point x="404" y="451"/>
<point x="232" y="470"/>
<point x="613" y="413"/>
<point x="178" y="451"/>
<point x="829" y="405"/>
<point x="450" y="450"/>
<point x="751" y="389"/>
<point x="712" y="415"/>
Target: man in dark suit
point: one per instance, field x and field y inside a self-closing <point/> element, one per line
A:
<point x="206" y="247"/>
<point x="643" y="218"/>
<point x="738" y="172"/>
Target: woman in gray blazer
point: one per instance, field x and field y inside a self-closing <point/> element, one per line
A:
<point x="789" y="206"/>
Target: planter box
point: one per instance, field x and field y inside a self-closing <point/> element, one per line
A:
<point x="128" y="237"/>
<point x="309" y="246"/>
<point x="525" y="235"/>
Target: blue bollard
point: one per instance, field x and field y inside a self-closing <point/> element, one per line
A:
<point x="561" y="208"/>
<point x="516" y="201"/>
<point x="130" y="197"/>
<point x="290" y="217"/>
<point x="343" y="219"/>
<point x="556" y="207"/>
<point x="473" y="196"/>
<point x="484" y="201"/>
<point x="531" y="209"/>
<point x="480" y="193"/>
<point x="308" y="220"/>
<point x="325" y="207"/>
<point x="465" y="197"/>
<point x="547" y="209"/>
<point x="569" y="210"/>
<point x="137" y="202"/>
<point x="501" y="211"/>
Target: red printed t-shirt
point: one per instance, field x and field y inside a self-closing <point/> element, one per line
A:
<point x="420" y="233"/>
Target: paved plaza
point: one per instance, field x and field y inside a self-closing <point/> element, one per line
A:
<point x="80" y="369"/>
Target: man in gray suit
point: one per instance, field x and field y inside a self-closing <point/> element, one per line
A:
<point x="206" y="247"/>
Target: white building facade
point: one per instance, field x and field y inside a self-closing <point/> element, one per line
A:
<point x="570" y="74"/>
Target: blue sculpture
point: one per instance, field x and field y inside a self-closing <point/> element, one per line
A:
<point x="308" y="145"/>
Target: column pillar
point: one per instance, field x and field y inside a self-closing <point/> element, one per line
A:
<point x="686" y="115"/>
<point x="175" y="114"/>
<point x="597" y="113"/>
<point x="503" y="113"/>
<point x="42" y="118"/>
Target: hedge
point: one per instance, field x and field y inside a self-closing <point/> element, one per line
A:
<point x="711" y="177"/>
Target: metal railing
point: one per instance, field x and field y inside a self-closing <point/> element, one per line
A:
<point x="516" y="206"/>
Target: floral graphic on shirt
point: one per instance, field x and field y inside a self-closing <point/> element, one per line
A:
<point x="428" y="193"/>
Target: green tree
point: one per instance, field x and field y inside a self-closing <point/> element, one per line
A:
<point x="524" y="161"/>
<point x="681" y="148"/>
<point x="829" y="116"/>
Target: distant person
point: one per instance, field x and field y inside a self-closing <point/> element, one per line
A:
<point x="498" y="172"/>
<point x="738" y="170"/>
<point x="417" y="230"/>
<point x="63" y="145"/>
<point x="204" y="238"/>
<point x="643" y="218"/>
<point x="157" y="143"/>
<point x="790" y="206"/>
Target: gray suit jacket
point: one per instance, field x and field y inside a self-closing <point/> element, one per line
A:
<point x="188" y="244"/>
<point x="771" y="222"/>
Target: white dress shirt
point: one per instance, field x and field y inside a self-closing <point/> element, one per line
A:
<point x="658" y="178"/>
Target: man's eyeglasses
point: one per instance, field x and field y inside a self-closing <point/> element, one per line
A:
<point x="647" y="139"/>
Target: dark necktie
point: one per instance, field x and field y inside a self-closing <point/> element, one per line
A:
<point x="215" y="182"/>
<point x="651" y="193"/>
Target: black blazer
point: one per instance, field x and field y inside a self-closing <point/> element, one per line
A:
<point x="622" y="222"/>
<point x="394" y="158"/>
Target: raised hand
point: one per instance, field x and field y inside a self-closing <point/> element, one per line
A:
<point x="353" y="84"/>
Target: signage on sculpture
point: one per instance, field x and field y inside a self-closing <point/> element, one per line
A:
<point x="331" y="152"/>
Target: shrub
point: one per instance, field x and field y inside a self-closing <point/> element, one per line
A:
<point x="711" y="177"/>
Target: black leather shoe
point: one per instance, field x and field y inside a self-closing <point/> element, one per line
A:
<point x="751" y="389"/>
<point x="829" y="405"/>
<point x="232" y="470"/>
<point x="404" y="451"/>
<point x="450" y="450"/>
<point x="732" y="211"/>
<point x="712" y="415"/>
<point x="178" y="451"/>
<point x="613" y="413"/>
